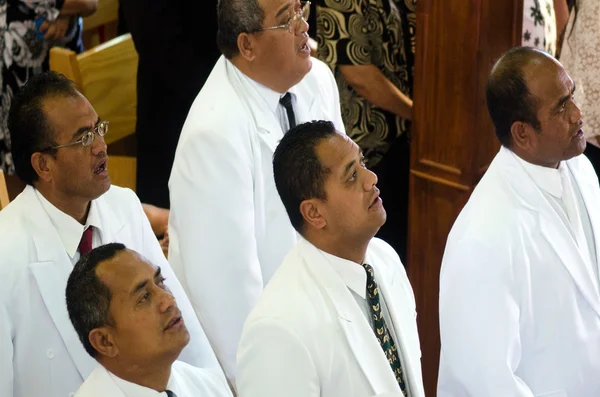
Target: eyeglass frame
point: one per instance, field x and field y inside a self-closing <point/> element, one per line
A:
<point x="92" y="133"/>
<point x="304" y="7"/>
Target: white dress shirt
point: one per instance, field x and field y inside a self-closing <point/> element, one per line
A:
<point x="70" y="230"/>
<point x="184" y="381"/>
<point x="355" y="278"/>
<point x="560" y="189"/>
<point x="271" y="98"/>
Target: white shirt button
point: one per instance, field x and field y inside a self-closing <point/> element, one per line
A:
<point x="71" y="394"/>
<point x="50" y="354"/>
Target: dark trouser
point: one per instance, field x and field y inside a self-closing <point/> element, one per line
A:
<point x="593" y="154"/>
<point x="392" y="173"/>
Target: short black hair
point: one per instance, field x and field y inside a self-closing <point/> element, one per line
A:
<point x="299" y="175"/>
<point x="507" y="95"/>
<point x="88" y="298"/>
<point x="28" y="125"/>
<point x="235" y="17"/>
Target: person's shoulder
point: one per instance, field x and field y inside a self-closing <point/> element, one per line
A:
<point x="201" y="380"/>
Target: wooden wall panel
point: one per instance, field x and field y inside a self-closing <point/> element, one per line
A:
<point x="453" y="140"/>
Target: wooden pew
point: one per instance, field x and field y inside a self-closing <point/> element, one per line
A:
<point x="107" y="76"/>
<point x="4" y="200"/>
<point x="101" y="26"/>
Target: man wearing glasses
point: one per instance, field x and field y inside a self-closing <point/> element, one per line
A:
<point x="228" y="228"/>
<point x="67" y="208"/>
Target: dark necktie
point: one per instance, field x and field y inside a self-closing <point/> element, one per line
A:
<point x="170" y="393"/>
<point x="381" y="330"/>
<point x="286" y="101"/>
<point x="85" y="245"/>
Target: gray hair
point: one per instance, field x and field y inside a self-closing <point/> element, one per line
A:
<point x="235" y="17"/>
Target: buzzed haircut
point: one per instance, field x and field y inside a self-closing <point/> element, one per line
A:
<point x="299" y="175"/>
<point x="88" y="298"/>
<point x="507" y="94"/>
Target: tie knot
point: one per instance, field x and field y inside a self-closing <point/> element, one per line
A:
<point x="286" y="100"/>
<point x="170" y="393"/>
<point x="370" y="271"/>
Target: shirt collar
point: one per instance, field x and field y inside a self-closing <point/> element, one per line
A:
<point x="270" y="97"/>
<point x="69" y="229"/>
<point x="130" y="389"/>
<point x="353" y="274"/>
<point x="547" y="179"/>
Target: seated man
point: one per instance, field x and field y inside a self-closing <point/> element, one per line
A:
<point x="338" y="317"/>
<point x="68" y="208"/>
<point x="128" y="320"/>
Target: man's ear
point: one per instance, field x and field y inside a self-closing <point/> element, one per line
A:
<point x="521" y="135"/>
<point x="246" y="46"/>
<point x="102" y="340"/>
<point x="42" y="166"/>
<point x="312" y="213"/>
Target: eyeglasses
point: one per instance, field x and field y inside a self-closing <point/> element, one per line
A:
<point x="88" y="137"/>
<point x="294" y="24"/>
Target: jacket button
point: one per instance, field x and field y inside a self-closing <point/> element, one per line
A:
<point x="50" y="354"/>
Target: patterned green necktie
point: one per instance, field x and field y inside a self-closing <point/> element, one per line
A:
<point x="381" y="330"/>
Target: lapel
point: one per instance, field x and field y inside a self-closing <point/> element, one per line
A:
<point x="268" y="127"/>
<point x="400" y="316"/>
<point x="355" y="327"/>
<point x="551" y="226"/>
<point x="589" y="192"/>
<point x="51" y="272"/>
<point x="53" y="267"/>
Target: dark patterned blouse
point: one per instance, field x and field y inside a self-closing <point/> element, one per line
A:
<point x="23" y="53"/>
<point x="363" y="32"/>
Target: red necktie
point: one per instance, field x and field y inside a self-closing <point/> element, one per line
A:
<point x="85" y="245"/>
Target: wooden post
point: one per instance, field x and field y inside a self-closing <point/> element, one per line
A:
<point x="453" y="139"/>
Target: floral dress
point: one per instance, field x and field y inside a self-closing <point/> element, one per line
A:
<point x="23" y="54"/>
<point x="539" y="25"/>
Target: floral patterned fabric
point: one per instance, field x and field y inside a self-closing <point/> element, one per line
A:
<point x="363" y="32"/>
<point x="581" y="59"/>
<point x="23" y="54"/>
<point x="539" y="25"/>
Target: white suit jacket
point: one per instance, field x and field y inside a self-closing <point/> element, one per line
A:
<point x="519" y="309"/>
<point x="185" y="381"/>
<point x="40" y="352"/>
<point x="228" y="228"/>
<point x="307" y="336"/>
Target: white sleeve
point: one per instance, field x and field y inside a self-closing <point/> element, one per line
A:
<point x="212" y="236"/>
<point x="273" y="362"/>
<point x="479" y="323"/>
<point x="198" y="352"/>
<point x="6" y="354"/>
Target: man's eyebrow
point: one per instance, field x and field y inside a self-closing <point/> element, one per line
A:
<point x="85" y="129"/>
<point x="142" y="284"/>
<point x="282" y="10"/>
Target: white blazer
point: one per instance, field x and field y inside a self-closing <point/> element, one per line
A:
<point x="307" y="336"/>
<point x="519" y="310"/>
<point x="228" y="228"/>
<point x="185" y="381"/>
<point x="40" y="352"/>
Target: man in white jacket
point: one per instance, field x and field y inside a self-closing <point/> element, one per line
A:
<point x="128" y="320"/>
<point x="228" y="229"/>
<point x="338" y="318"/>
<point x="68" y="208"/>
<point x="519" y="301"/>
